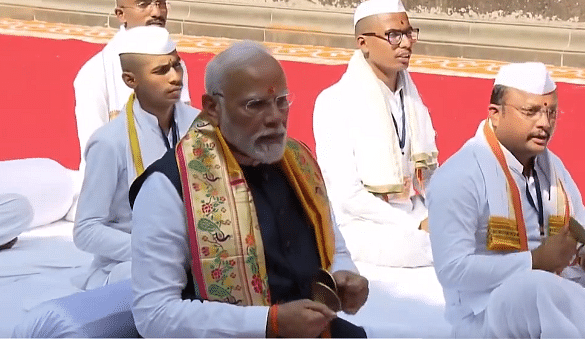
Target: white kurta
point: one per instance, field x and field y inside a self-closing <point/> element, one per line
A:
<point x="492" y="293"/>
<point x="160" y="248"/>
<point x="99" y="91"/>
<point x="103" y="221"/>
<point x="378" y="232"/>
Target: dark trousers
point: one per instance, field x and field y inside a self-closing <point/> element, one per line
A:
<point x="341" y="328"/>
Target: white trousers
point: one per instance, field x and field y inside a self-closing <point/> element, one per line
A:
<point x="395" y="245"/>
<point x="16" y="213"/>
<point x="105" y="275"/>
<point x="531" y="304"/>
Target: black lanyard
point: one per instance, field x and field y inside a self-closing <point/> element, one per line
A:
<point x="175" y="135"/>
<point x="538" y="209"/>
<point x="401" y="140"/>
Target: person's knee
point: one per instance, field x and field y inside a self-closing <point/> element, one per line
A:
<point x="521" y="289"/>
<point x="120" y="272"/>
<point x="537" y="301"/>
<point x="16" y="214"/>
<point x="15" y="209"/>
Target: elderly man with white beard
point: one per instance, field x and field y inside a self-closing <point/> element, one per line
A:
<point x="231" y="227"/>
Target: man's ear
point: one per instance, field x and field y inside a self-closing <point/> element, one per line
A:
<point x="494" y="114"/>
<point x="363" y="45"/>
<point x="211" y="108"/>
<point x="120" y="15"/>
<point x="129" y="79"/>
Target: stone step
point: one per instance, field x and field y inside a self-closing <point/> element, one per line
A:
<point x="558" y="43"/>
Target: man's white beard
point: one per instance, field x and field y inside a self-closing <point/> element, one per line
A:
<point x="268" y="153"/>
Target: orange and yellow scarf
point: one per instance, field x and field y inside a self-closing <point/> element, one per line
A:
<point x="509" y="233"/>
<point x="228" y="263"/>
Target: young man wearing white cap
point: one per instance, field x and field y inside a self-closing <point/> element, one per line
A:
<point x="498" y="214"/>
<point x="100" y="91"/>
<point x="375" y="142"/>
<point x="152" y="122"/>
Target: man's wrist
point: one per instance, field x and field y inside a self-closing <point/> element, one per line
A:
<point x="272" y="322"/>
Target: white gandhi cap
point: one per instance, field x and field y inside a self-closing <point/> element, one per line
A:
<point x="152" y="40"/>
<point x="531" y="77"/>
<point x="373" y="7"/>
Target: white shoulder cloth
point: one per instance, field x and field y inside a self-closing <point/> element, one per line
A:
<point x="377" y="150"/>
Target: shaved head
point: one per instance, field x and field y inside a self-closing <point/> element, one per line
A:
<point x="133" y="62"/>
<point x="365" y="24"/>
<point x="157" y="79"/>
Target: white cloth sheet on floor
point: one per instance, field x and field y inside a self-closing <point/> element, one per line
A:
<point x="38" y="268"/>
<point x="403" y="302"/>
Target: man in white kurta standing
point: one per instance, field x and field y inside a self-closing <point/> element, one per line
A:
<point x="498" y="215"/>
<point x="100" y="91"/>
<point x="375" y="142"/>
<point x="151" y="122"/>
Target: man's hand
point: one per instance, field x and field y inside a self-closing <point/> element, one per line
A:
<point x="556" y="252"/>
<point x="352" y="290"/>
<point x="301" y="319"/>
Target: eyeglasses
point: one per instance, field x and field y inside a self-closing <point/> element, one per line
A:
<point x="144" y="5"/>
<point x="534" y="113"/>
<point x="256" y="106"/>
<point x="395" y="37"/>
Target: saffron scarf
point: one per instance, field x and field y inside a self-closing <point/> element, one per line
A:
<point x="508" y="233"/>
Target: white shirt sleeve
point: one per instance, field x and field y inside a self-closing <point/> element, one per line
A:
<point x="334" y="148"/>
<point x="92" y="232"/>
<point x="161" y="258"/>
<point x="91" y="103"/>
<point x="342" y="259"/>
<point x="457" y="208"/>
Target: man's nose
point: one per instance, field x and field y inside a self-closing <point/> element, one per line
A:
<point x="155" y="10"/>
<point x="544" y="119"/>
<point x="274" y="115"/>
<point x="405" y="42"/>
<point x="176" y="75"/>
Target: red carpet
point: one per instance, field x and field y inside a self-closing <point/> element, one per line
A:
<point x="38" y="120"/>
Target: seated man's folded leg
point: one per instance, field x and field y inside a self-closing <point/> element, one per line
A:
<point x="16" y="214"/>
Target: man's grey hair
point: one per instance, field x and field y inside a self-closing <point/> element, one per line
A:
<point x="237" y="55"/>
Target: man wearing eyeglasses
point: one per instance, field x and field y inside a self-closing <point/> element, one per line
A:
<point x="499" y="212"/>
<point x="232" y="227"/>
<point x="375" y="142"/>
<point x="100" y="91"/>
